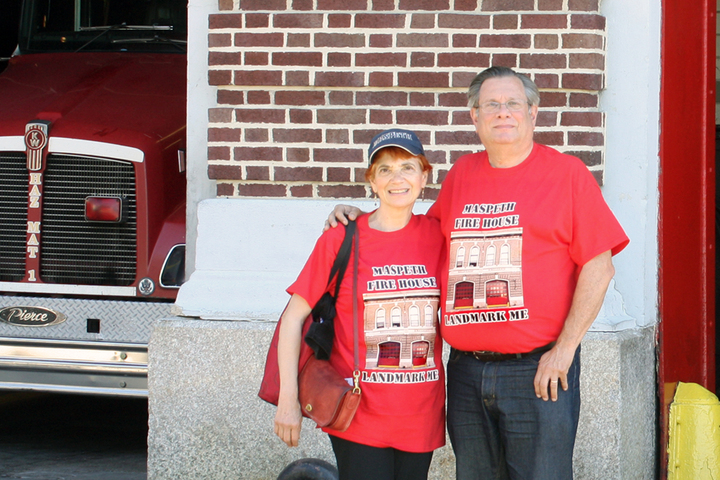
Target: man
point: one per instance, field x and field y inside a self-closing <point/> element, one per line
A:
<point x="530" y="242"/>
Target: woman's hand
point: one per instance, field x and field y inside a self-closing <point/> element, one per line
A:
<point x="288" y="422"/>
<point x="341" y="214"/>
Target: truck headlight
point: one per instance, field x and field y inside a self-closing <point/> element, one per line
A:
<point x="173" y="271"/>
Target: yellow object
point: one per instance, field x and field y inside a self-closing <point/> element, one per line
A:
<point x="694" y="436"/>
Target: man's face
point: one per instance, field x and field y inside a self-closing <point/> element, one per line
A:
<point x="504" y="127"/>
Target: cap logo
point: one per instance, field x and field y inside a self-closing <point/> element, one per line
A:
<point x="389" y="135"/>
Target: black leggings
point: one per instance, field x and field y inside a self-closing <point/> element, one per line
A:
<point x="356" y="461"/>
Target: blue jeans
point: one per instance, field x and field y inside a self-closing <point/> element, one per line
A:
<point x="500" y="430"/>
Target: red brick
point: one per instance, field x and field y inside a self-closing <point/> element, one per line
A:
<point x="258" y="97"/>
<point x="507" y="5"/>
<point x="461" y="118"/>
<point x="339" y="20"/>
<point x="464" y="40"/>
<point x="456" y="154"/>
<point x="587" y="22"/>
<point x="387" y="99"/>
<point x="224" y="172"/>
<point x="257" y="173"/>
<point x="297" y="79"/>
<point x="582" y="81"/>
<point x="424" y="5"/>
<point x="298" y="174"/>
<point x="306" y="59"/>
<point x="589" y="158"/>
<point x="553" y="99"/>
<point x="436" y="157"/>
<point x="293" y="97"/>
<point x="463" y="59"/>
<point x="380" y="79"/>
<point x="334" y="116"/>
<point x="379" y="20"/>
<point x="341" y="97"/>
<point x="466" y="5"/>
<point x="587" y="60"/>
<point x="422" y="59"/>
<point x="462" y="79"/>
<point x="421" y="117"/>
<point x="546" y="41"/>
<point x="509" y="60"/>
<point x="336" y="174"/>
<point x="225" y="4"/>
<point x="337" y="136"/>
<point x="257" y="20"/>
<point x="423" y="79"/>
<point x="218" y="153"/>
<point x="301" y="191"/>
<point x="598" y="175"/>
<point x="260" y="115"/>
<point x="359" y="174"/>
<point x="381" y="40"/>
<point x="262" y="190"/>
<point x="452" y="100"/>
<point x="463" y="21"/>
<point x="344" y="155"/>
<point x="259" y="39"/>
<point x="335" y="59"/>
<point x="421" y="99"/>
<point x="297" y="20"/>
<point x="301" y="116"/>
<point x="425" y="21"/>
<point x="220" y="115"/>
<point x="543" y="60"/>
<point x="549" y="138"/>
<point x="298" y="40"/>
<point x="256" y="58"/>
<point x="254" y="5"/>
<point x="505" y="41"/>
<point x="224" y="134"/>
<point x="584" y="5"/>
<point x="298" y="155"/>
<point x="219" y="77"/>
<point x="581" y="119"/>
<point x="339" y="40"/>
<point x="582" y="40"/>
<point x="546" y="118"/>
<point x="583" y="100"/>
<point x="297" y="135"/>
<point x="422" y="40"/>
<point x="382" y="5"/>
<point x="457" y="138"/>
<point x="430" y="193"/>
<point x="258" y="77"/>
<point x="586" y="138"/>
<point x="342" y="191"/>
<point x="300" y="5"/>
<point x="225" y="20"/>
<point x="225" y="189"/>
<point x="547" y="80"/>
<point x="258" y="153"/>
<point x="380" y="59"/>
<point x="505" y="22"/>
<point x="550" y="5"/>
<point x="339" y="79"/>
<point x="544" y="21"/>
<point x="381" y="117"/>
<point x="342" y="4"/>
<point x="224" y="58"/>
<point x="219" y="40"/>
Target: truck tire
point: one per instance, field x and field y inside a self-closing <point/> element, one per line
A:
<point x="309" y="469"/>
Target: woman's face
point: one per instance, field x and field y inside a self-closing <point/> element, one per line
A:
<point x="397" y="182"/>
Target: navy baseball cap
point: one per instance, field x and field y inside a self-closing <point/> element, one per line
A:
<point x="395" y="137"/>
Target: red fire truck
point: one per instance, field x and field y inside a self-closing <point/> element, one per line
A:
<point x="92" y="191"/>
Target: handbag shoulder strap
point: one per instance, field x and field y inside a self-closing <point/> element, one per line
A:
<point x="343" y="257"/>
<point x="356" y="346"/>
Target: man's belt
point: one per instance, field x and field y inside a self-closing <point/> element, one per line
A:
<point x="487" y="356"/>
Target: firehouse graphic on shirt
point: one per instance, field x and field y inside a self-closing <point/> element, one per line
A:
<point x="485" y="268"/>
<point x="400" y="324"/>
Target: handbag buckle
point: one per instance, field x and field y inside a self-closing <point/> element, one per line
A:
<point x="356" y="381"/>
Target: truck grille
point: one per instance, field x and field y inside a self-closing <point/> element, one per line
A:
<point x="75" y="251"/>
<point x="13" y="215"/>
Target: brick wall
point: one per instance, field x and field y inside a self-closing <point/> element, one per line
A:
<point x="303" y="85"/>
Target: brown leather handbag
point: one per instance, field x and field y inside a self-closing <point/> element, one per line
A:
<point x="325" y="396"/>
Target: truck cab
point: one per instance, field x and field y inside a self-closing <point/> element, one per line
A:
<point x="92" y="191"/>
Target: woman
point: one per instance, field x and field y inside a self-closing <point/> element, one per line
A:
<point x="401" y="417"/>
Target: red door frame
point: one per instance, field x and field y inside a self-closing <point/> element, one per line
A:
<point x="686" y="236"/>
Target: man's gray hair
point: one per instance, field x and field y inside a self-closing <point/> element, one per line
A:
<point x="531" y="90"/>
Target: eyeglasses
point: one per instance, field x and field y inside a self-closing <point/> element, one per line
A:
<point x="494" y="107"/>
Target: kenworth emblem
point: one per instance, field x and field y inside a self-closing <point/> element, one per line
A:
<point x="31" y="316"/>
<point x="36" y="139"/>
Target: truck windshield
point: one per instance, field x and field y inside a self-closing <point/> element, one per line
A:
<point x="103" y="25"/>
